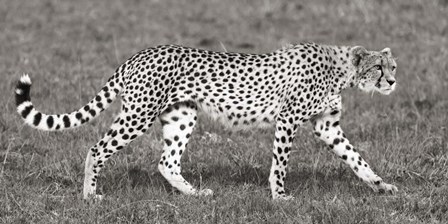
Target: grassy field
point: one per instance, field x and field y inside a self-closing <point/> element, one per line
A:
<point x="70" y="48"/>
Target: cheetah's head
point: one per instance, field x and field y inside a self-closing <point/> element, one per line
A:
<point x="375" y="70"/>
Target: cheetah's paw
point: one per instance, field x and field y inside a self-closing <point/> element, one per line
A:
<point x="389" y="188"/>
<point x="381" y="187"/>
<point x="283" y="197"/>
<point x="94" y="197"/>
<point x="205" y="192"/>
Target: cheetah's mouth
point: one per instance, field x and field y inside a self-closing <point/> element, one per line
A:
<point x="378" y="82"/>
<point x="387" y="91"/>
<point x="378" y="85"/>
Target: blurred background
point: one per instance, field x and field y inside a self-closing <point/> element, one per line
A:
<point x="70" y="48"/>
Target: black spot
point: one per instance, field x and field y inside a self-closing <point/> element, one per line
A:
<point x="344" y="157"/>
<point x="182" y="127"/>
<point x="279" y="184"/>
<point x="336" y="123"/>
<point x="173" y="152"/>
<point x="168" y="142"/>
<point x="50" y="121"/>
<point x="78" y="116"/>
<point x="336" y="141"/>
<point x="283" y="139"/>
<point x="66" y="120"/>
<point x="114" y="143"/>
<point x="334" y="112"/>
<point x="37" y="119"/>
<point x="27" y="111"/>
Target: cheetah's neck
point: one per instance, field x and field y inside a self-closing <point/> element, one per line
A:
<point x="343" y="72"/>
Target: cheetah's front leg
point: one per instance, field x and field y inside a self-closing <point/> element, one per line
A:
<point x="327" y="129"/>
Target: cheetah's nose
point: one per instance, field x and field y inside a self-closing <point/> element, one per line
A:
<point x="391" y="82"/>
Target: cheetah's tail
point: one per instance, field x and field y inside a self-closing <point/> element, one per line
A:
<point x="54" y="122"/>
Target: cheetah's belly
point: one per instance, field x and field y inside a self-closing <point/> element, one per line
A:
<point x="241" y="117"/>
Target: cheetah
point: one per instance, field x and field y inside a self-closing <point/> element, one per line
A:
<point x="283" y="89"/>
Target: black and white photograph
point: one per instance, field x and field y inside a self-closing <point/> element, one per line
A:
<point x="224" y="111"/>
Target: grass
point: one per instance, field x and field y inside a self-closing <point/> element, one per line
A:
<point x="71" y="48"/>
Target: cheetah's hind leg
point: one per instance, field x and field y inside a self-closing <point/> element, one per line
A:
<point x="125" y="129"/>
<point x="178" y="122"/>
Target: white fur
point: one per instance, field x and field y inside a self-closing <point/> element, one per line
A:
<point x="22" y="106"/>
<point x="25" y="79"/>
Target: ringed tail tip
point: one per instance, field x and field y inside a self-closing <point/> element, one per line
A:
<point x="25" y="79"/>
<point x="22" y="91"/>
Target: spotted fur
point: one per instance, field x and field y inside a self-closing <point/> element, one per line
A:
<point x="285" y="89"/>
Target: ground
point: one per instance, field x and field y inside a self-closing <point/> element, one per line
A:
<point x="70" y="48"/>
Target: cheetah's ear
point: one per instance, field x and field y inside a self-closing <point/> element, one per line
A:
<point x="386" y="51"/>
<point x="358" y="52"/>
